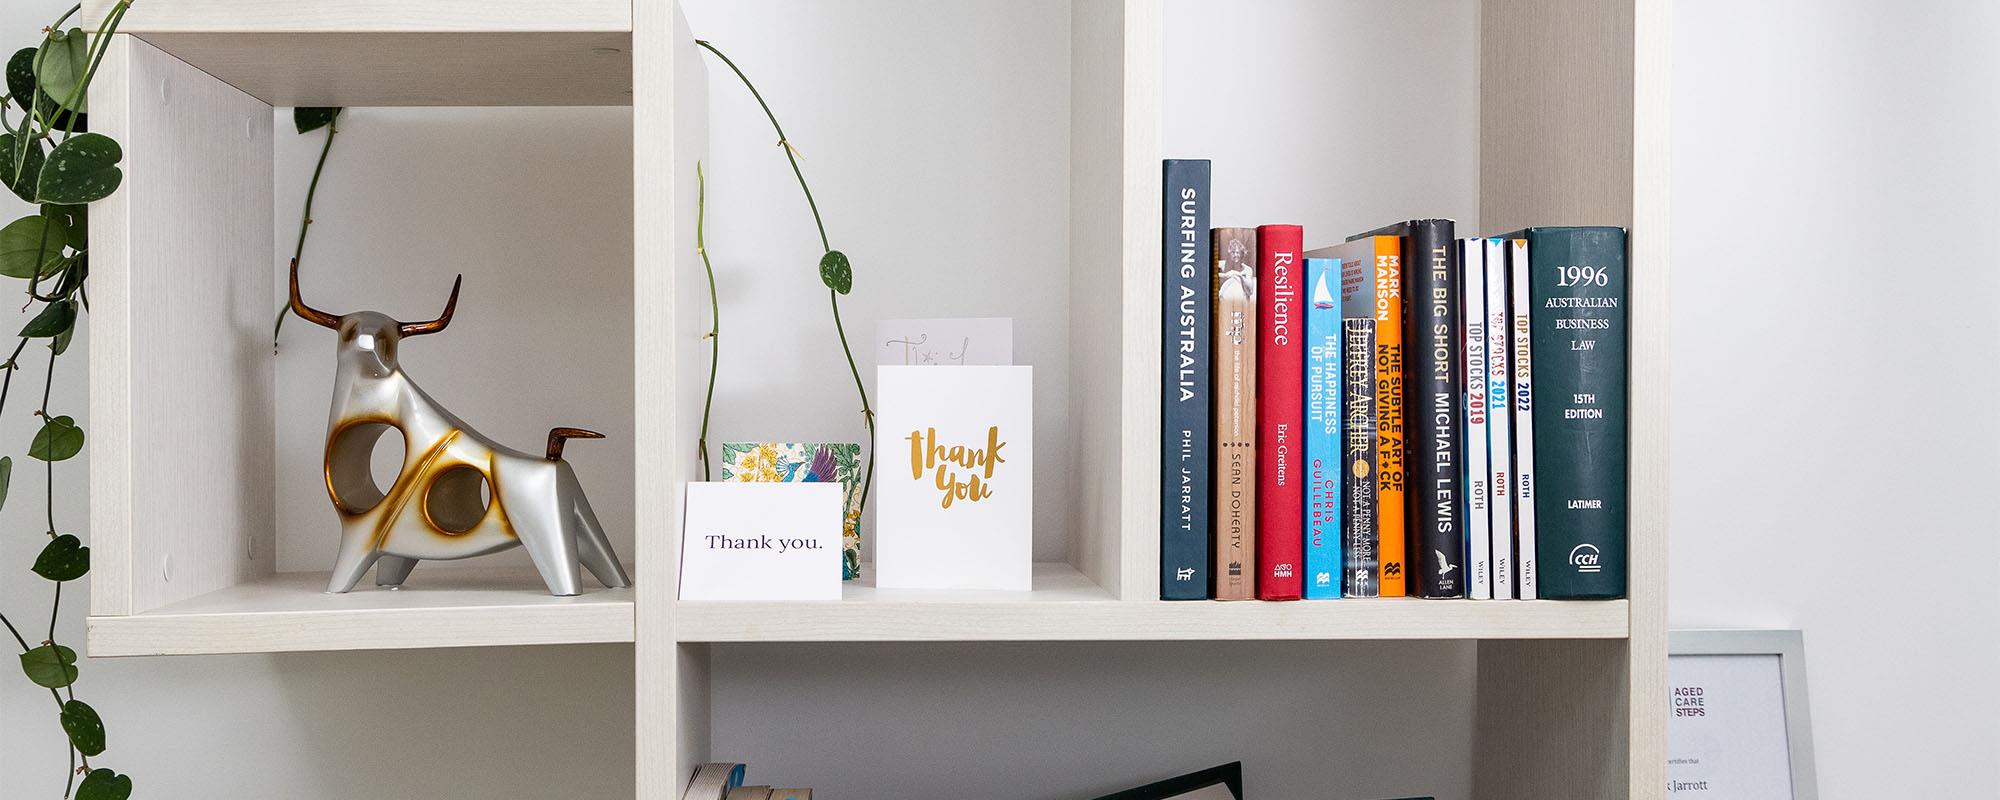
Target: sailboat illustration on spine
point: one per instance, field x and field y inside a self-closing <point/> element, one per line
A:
<point x="1323" y="462"/>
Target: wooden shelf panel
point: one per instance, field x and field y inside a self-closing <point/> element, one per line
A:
<point x="1066" y="606"/>
<point x="441" y="607"/>
<point x="365" y="16"/>
<point x="587" y="68"/>
<point x="381" y="53"/>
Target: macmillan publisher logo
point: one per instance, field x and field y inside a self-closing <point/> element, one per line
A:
<point x="1584" y="558"/>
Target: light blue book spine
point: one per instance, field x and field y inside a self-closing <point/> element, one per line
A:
<point x="1322" y="439"/>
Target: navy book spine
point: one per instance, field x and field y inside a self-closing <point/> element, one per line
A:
<point x="1187" y="298"/>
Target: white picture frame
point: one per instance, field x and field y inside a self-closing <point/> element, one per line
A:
<point x="1789" y="648"/>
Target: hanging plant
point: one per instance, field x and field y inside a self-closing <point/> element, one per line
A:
<point x="307" y="120"/>
<point x="50" y="159"/>
<point x="834" y="271"/>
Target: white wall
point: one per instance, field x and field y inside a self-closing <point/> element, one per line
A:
<point x="933" y="152"/>
<point x="1836" y="169"/>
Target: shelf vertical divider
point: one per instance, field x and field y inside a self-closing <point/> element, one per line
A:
<point x="1652" y="181"/>
<point x="1114" y="291"/>
<point x="670" y="132"/>
<point x="1574" y="117"/>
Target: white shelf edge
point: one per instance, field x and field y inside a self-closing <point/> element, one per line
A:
<point x="288" y="612"/>
<point x="1066" y="606"/>
<point x="367" y="16"/>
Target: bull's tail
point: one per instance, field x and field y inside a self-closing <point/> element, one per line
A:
<point x="557" y="436"/>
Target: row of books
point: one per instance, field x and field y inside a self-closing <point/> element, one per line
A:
<point x="1404" y="413"/>
<point x="725" y="782"/>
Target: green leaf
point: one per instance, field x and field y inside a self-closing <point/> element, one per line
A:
<point x="85" y="730"/>
<point x="58" y="439"/>
<point x="311" y="119"/>
<point x="21" y="86"/>
<point x="23" y="184"/>
<point x="51" y="665"/>
<point x="63" y="340"/>
<point x="61" y="64"/>
<point x="55" y="319"/>
<point x="64" y="559"/>
<point x="77" y="219"/>
<point x="83" y="169"/>
<point x="835" y="272"/>
<point x="103" y="784"/>
<point x="32" y="243"/>
<point x="6" y="477"/>
<point x="21" y="76"/>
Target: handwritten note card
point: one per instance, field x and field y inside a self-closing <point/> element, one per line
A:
<point x="955" y="467"/>
<point x="986" y="342"/>
<point x="761" y="541"/>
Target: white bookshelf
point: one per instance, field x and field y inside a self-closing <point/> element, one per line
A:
<point x="1571" y="126"/>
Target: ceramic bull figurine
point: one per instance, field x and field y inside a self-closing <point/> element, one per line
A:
<point x="438" y="507"/>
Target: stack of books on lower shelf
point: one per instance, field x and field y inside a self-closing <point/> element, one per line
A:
<point x="1225" y="782"/>
<point x="1405" y="413"/>
<point x="725" y="782"/>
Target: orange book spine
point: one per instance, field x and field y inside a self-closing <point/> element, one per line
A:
<point x="1391" y="527"/>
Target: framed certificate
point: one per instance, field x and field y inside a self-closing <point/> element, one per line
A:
<point x="1739" y="725"/>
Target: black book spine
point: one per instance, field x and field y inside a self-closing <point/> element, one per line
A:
<point x="1433" y="406"/>
<point x="1435" y="455"/>
<point x="1185" y="428"/>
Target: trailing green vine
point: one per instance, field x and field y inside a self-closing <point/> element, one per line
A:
<point x="307" y="120"/>
<point x="834" y="269"/>
<point x="714" y="336"/>
<point x="51" y="160"/>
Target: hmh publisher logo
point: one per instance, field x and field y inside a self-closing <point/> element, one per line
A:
<point x="1584" y="557"/>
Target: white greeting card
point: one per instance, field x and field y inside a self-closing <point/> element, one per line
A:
<point x="954" y="466"/>
<point x="945" y="342"/>
<point x="761" y="541"/>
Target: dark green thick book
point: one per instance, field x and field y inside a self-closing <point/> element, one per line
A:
<point x="1577" y="329"/>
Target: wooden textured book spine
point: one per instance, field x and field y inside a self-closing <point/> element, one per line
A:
<point x="1187" y="298"/>
<point x="1280" y="413"/>
<point x="1578" y="331"/>
<point x="1234" y="362"/>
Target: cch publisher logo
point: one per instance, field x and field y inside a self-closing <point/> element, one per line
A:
<point x="1584" y="558"/>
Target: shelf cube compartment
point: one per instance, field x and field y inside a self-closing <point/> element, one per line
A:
<point x="211" y="523"/>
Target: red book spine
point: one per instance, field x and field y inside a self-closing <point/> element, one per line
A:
<point x="1281" y="368"/>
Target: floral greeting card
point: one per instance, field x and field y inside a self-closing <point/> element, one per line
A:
<point x="806" y="462"/>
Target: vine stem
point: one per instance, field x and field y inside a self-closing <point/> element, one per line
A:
<point x="714" y="315"/>
<point x="791" y="155"/>
<point x="68" y="111"/>
<point x="306" y="219"/>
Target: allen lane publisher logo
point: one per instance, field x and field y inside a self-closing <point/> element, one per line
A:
<point x="1584" y="558"/>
